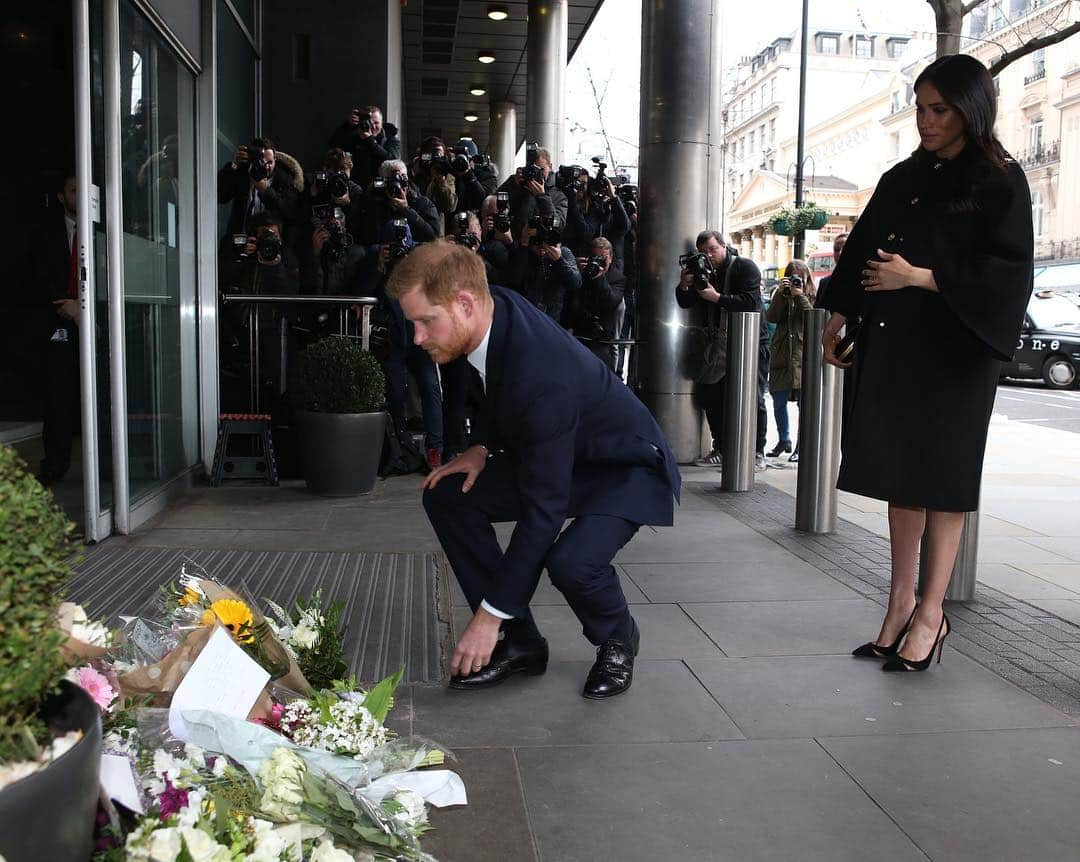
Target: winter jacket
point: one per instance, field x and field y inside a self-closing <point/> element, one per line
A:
<point x="367" y="153"/>
<point x="607" y="219"/>
<point x="282" y="199"/>
<point x="475" y="185"/>
<point x="542" y="281"/>
<point x="523" y="204"/>
<point x="789" y="314"/>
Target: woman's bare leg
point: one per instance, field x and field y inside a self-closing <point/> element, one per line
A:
<point x="906" y="525"/>
<point x="943" y="533"/>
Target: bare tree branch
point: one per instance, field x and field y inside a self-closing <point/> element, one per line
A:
<point x="971" y="7"/>
<point x="1032" y="46"/>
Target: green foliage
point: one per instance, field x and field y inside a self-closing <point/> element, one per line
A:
<point x="325" y="662"/>
<point x="381" y="698"/>
<point x="335" y="375"/>
<point x="793" y="220"/>
<point x="34" y="566"/>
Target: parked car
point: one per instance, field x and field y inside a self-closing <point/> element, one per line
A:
<point x="1049" y="344"/>
<point x="820" y="264"/>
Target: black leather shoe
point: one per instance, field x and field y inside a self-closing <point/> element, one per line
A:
<point x="508" y="658"/>
<point x="613" y="670"/>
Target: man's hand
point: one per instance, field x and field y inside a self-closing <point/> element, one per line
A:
<point x="686" y="280"/>
<point x="67" y="309"/>
<point x="831" y="337"/>
<point x="473" y="650"/>
<point x="527" y="234"/>
<point x="319" y="238"/>
<point x="709" y="294"/>
<point x="263" y="184"/>
<point x="398" y="200"/>
<point x="535" y="188"/>
<point x="240" y="158"/>
<point x="343" y="201"/>
<point x="552" y="252"/>
<point x="471" y="462"/>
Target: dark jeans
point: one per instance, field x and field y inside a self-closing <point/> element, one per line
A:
<point x="710" y="397"/>
<point x="578" y="563"/>
<point x="61" y="416"/>
<point x="397" y="368"/>
<point x="627" y="330"/>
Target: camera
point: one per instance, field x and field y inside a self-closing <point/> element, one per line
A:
<point x="567" y="178"/>
<point x="698" y="265"/>
<point x="532" y="153"/>
<point x="398" y="249"/>
<point x="268" y="246"/>
<point x="594" y="267"/>
<point x="481" y="159"/>
<point x="460" y="163"/>
<point x="239" y="243"/>
<point x="628" y="194"/>
<point x="435" y="162"/>
<point x="365" y="123"/>
<point x="531" y="173"/>
<point x="598" y="185"/>
<point x="796" y="282"/>
<point x="337" y="240"/>
<point x="502" y="212"/>
<point x="461" y="232"/>
<point x="258" y="167"/>
<point x="330" y="186"/>
<point x="548" y="229"/>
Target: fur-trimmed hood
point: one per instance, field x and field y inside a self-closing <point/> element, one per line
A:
<point x="292" y="167"/>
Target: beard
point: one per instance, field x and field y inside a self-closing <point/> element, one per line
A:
<point x="456" y="345"/>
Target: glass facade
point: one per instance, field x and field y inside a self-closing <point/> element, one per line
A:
<point x="236" y="74"/>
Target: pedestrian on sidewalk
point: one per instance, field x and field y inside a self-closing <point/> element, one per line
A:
<point x="557" y="436"/>
<point x="939" y="265"/>
<point x="790" y="302"/>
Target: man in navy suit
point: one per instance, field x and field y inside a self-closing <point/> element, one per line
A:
<point x="558" y="436"/>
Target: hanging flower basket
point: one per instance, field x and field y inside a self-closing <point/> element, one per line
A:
<point x="794" y="220"/>
<point x="781" y="226"/>
<point x="819" y="220"/>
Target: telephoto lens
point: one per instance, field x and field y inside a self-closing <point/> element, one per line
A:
<point x="268" y="246"/>
<point x="258" y="169"/>
<point x="338" y="184"/>
<point x="594" y="267"/>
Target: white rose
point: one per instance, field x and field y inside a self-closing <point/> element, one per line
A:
<point x="165" y="845"/>
<point x="327" y="852"/>
<point x="304" y="636"/>
<point x="415" y="812"/>
<point x="165" y="764"/>
<point x="202" y="848"/>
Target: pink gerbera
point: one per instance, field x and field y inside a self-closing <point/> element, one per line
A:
<point x="94" y="684"/>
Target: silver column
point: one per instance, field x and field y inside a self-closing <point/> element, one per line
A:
<point x="502" y="137"/>
<point x="114" y="233"/>
<point x="740" y="401"/>
<point x="545" y="85"/>
<point x="679" y="180"/>
<point x="820" y="414"/>
<point x="962" y="585"/>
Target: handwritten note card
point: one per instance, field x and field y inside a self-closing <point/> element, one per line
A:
<point x="223" y="678"/>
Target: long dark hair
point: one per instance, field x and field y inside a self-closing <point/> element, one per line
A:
<point x="966" y="85"/>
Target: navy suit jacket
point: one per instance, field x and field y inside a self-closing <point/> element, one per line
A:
<point x="580" y="442"/>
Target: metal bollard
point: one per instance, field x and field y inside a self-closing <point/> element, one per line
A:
<point x="740" y="401"/>
<point x="962" y="585"/>
<point x="820" y="417"/>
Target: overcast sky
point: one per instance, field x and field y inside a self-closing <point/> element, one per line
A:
<point x="611" y="52"/>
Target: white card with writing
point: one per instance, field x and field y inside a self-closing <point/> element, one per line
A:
<point x="118" y="782"/>
<point x="223" y="678"/>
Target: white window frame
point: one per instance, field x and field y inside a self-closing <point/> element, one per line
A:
<point x="1038" y="214"/>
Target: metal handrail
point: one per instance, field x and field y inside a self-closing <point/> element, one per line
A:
<point x="270" y="299"/>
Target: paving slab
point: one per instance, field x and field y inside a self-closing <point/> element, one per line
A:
<point x="1065" y="546"/>
<point x="778" y="578"/>
<point x="998" y="795"/>
<point x="311" y="514"/>
<point x="666" y="633"/>
<point x="1066" y="575"/>
<point x="817" y="696"/>
<point x="1020" y="584"/>
<point x="788" y="628"/>
<point x="665" y="704"/>
<point x="494" y="825"/>
<point x="748" y="801"/>
<point x="1067" y="609"/>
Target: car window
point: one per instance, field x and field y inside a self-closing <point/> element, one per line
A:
<point x="1051" y="312"/>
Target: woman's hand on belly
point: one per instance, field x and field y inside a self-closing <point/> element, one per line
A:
<point x="893" y="272"/>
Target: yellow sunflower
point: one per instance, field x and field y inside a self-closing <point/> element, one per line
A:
<point x="234" y="615"/>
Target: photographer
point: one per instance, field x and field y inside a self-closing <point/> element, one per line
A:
<point x="403" y="357"/>
<point x="431" y="170"/>
<point x="474" y="177"/>
<point x="260" y="179"/>
<point x="496" y="240"/>
<point x="541" y="268"/>
<point x="628" y="194"/>
<point x="595" y="210"/>
<point x="332" y="187"/>
<point x="594" y="309"/>
<point x="368" y="141"/>
<point x="391" y="196"/>
<point x="533" y="187"/>
<point x="263" y="264"/>
<point x="335" y="265"/>
<point x="790" y="302"/>
<point x="713" y="283"/>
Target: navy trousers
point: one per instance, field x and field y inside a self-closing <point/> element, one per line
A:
<point x="578" y="563"/>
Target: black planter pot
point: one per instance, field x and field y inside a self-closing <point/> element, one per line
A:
<point x="340" y="452"/>
<point x="50" y="815"/>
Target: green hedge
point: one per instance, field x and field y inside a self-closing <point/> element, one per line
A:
<point x="335" y="375"/>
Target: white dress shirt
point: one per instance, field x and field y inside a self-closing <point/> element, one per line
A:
<point x="478" y="360"/>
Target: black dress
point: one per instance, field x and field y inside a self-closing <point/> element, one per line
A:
<point x="927" y="364"/>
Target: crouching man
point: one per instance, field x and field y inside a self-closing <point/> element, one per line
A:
<point x="557" y="436"/>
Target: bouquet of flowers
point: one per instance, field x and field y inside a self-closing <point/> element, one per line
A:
<point x="313" y="636"/>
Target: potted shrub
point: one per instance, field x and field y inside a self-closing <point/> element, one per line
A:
<point x="339" y="394"/>
<point x="49" y="799"/>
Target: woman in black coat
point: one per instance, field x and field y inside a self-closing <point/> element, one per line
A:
<point x="939" y="267"/>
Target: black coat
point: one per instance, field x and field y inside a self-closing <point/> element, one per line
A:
<point x="475" y="185"/>
<point x="283" y="199"/>
<point x="523" y="204"/>
<point x="926" y="364"/>
<point x="367" y="153"/>
<point x="544" y="282"/>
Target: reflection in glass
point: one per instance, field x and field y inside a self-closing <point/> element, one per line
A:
<point x="158" y="177"/>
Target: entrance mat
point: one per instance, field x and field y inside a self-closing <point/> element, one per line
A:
<point x="396" y="605"/>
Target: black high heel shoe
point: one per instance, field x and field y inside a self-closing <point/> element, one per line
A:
<point x="874" y="650"/>
<point x="782" y="446"/>
<point x="899" y="664"/>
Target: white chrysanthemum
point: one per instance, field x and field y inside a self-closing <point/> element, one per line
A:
<point x="189" y="815"/>
<point x="327" y="852"/>
<point x="164" y="845"/>
<point x="304" y="636"/>
<point x="282" y="777"/>
<point x="202" y="847"/>
<point x="414" y="811"/>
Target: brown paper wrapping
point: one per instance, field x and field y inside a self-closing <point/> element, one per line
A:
<point x="75" y="651"/>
